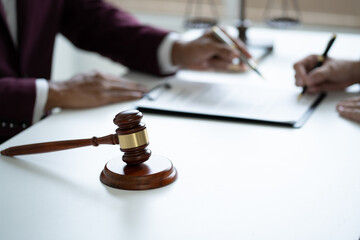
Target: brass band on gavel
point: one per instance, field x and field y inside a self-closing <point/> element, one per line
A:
<point x="133" y="140"/>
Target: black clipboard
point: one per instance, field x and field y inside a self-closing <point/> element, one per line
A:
<point x="170" y="108"/>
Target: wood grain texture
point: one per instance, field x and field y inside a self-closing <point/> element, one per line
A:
<point x="59" y="145"/>
<point x="157" y="172"/>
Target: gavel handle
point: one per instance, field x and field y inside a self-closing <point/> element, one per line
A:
<point x="59" y="145"/>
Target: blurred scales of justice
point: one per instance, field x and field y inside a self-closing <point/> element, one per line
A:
<point x="203" y="14"/>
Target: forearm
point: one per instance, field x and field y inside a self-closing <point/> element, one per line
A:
<point x="355" y="71"/>
<point x="55" y="95"/>
<point x="178" y="54"/>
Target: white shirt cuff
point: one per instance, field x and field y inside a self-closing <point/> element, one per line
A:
<point x="164" y="53"/>
<point x="42" y="90"/>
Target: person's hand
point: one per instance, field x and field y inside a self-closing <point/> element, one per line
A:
<point x="92" y="90"/>
<point x="350" y="108"/>
<point x="334" y="74"/>
<point x="205" y="53"/>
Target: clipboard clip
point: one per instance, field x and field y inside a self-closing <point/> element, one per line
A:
<point x="155" y="92"/>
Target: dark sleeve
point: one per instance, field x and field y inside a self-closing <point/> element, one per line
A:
<point x="98" y="26"/>
<point x="17" y="100"/>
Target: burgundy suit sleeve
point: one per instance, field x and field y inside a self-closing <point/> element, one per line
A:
<point x="17" y="99"/>
<point x="98" y="26"/>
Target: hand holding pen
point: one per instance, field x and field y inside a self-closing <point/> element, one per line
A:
<point x="205" y="53"/>
<point x="305" y="68"/>
<point x="221" y="35"/>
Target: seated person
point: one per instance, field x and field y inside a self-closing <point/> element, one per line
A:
<point x="334" y="74"/>
<point x="27" y="35"/>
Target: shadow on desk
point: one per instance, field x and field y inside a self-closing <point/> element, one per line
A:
<point x="127" y="195"/>
<point x="47" y="174"/>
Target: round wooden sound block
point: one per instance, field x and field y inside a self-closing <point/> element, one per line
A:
<point x="156" y="172"/>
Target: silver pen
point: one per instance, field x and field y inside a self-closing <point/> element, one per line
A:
<point x="224" y="38"/>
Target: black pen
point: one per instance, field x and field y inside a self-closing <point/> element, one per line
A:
<point x="321" y="60"/>
<point x="223" y="37"/>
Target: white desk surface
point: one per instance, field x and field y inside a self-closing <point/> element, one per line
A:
<point x="236" y="180"/>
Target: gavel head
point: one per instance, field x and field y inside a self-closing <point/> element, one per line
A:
<point x="133" y="137"/>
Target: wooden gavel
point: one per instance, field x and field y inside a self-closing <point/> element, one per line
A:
<point x="136" y="169"/>
<point x="131" y="134"/>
